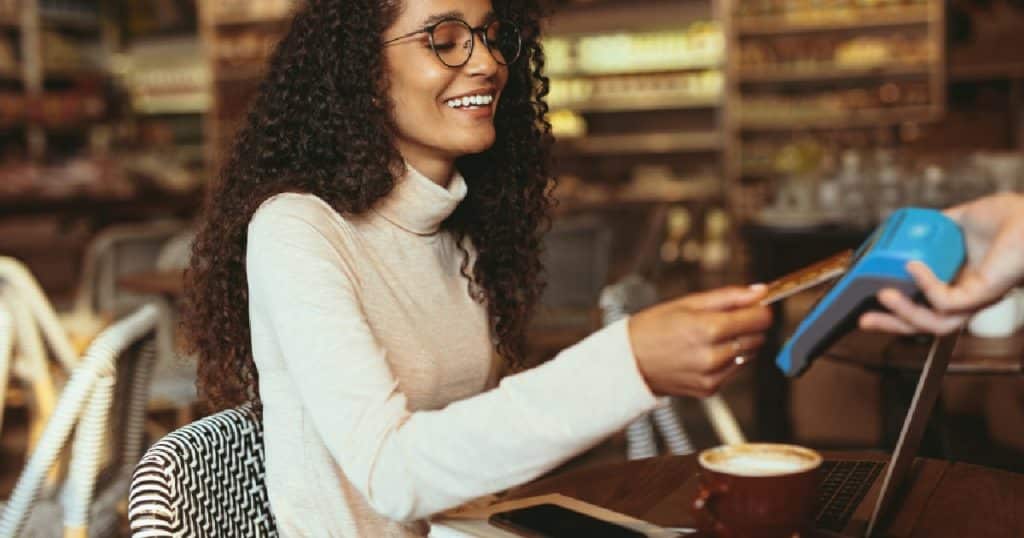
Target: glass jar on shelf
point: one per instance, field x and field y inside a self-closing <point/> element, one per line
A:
<point x="889" y="182"/>
<point x="854" y="187"/>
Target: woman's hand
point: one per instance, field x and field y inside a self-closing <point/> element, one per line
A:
<point x="689" y="346"/>
<point x="994" y="231"/>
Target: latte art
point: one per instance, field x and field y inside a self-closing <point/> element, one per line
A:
<point x="759" y="460"/>
<point x="761" y="465"/>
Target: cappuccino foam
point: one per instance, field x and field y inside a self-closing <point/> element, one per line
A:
<point x="759" y="460"/>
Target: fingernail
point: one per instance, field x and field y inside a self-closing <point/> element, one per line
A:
<point x="758" y="287"/>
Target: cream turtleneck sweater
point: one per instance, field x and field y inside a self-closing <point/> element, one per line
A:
<point x="375" y="370"/>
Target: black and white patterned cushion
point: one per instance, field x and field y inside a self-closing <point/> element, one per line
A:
<point x="204" y="479"/>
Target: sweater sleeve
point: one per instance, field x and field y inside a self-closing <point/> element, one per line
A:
<point x="410" y="465"/>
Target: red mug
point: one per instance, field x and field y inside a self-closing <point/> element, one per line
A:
<point x="757" y="490"/>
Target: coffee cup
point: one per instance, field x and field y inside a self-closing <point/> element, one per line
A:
<point x="760" y="490"/>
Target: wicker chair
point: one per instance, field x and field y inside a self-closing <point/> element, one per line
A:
<point x="6" y="352"/>
<point x="204" y="479"/>
<point x="109" y="382"/>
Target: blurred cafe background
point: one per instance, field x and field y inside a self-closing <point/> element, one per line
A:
<point x="698" y="143"/>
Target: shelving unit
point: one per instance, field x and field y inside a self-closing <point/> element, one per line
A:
<point x="654" y="101"/>
<point x="831" y="120"/>
<point x="637" y="102"/>
<point x="169" y="77"/>
<point x="647" y="100"/>
<point x="850" y="18"/>
<point x="797" y="68"/>
<point x="63" y="66"/>
<point x="237" y="37"/>
<point x="645" y="143"/>
<point x="827" y="73"/>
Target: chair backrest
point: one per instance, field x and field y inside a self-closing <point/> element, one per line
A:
<point x="85" y="407"/>
<point x="115" y="251"/>
<point x="6" y="343"/>
<point x="39" y="312"/>
<point x="204" y="479"/>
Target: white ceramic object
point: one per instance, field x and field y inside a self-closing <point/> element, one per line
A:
<point x="1001" y="319"/>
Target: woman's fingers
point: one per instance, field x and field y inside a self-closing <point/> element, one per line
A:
<point x="878" y="321"/>
<point x="724" y="298"/>
<point x="727" y="359"/>
<point x="725" y="326"/>
<point x="681" y="350"/>
<point x="709" y="384"/>
<point x="968" y="293"/>
<point x="724" y="353"/>
<point x="920" y="317"/>
<point x="936" y="291"/>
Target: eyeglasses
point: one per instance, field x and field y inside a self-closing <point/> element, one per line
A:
<point x="452" y="40"/>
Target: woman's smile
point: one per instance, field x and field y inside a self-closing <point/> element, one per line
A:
<point x="476" y="104"/>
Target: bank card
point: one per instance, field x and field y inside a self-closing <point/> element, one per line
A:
<point x="808" y="277"/>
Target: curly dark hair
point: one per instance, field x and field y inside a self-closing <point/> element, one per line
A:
<point x="320" y="124"/>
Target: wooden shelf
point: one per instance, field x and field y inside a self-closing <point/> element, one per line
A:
<point x="236" y="20"/>
<point x="847" y="20"/>
<point x="239" y="73"/>
<point x="682" y="191"/>
<point x="982" y="71"/>
<point x="596" y="16"/>
<point x="637" y="71"/>
<point x="73" y="72"/>
<point x="858" y="118"/>
<point x="828" y="74"/>
<point x="197" y="103"/>
<point x="69" y="20"/>
<point x="143" y="204"/>
<point x="643" y="143"/>
<point x="76" y="128"/>
<point x="636" y="104"/>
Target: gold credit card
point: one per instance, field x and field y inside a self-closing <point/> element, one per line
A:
<point x="808" y="277"/>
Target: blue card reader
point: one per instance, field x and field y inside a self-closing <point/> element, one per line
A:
<point x="925" y="235"/>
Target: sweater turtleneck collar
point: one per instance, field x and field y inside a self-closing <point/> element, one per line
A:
<point x="419" y="205"/>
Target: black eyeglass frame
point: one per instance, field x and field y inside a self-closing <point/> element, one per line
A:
<point x="480" y="30"/>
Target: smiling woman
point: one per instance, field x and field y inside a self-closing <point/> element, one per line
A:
<point x="368" y="261"/>
<point x="443" y="95"/>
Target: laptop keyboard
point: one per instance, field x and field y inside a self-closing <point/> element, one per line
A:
<point x="844" y="484"/>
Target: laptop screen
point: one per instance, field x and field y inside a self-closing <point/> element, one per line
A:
<point x="928" y="387"/>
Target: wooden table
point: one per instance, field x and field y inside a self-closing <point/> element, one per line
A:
<point x="167" y="283"/>
<point x="969" y="500"/>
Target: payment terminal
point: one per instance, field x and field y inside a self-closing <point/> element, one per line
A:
<point x="880" y="262"/>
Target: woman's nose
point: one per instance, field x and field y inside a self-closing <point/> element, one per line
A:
<point x="481" y="61"/>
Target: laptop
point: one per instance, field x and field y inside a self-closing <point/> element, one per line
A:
<point x="858" y="496"/>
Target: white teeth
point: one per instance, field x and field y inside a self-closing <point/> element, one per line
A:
<point x="470" y="100"/>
